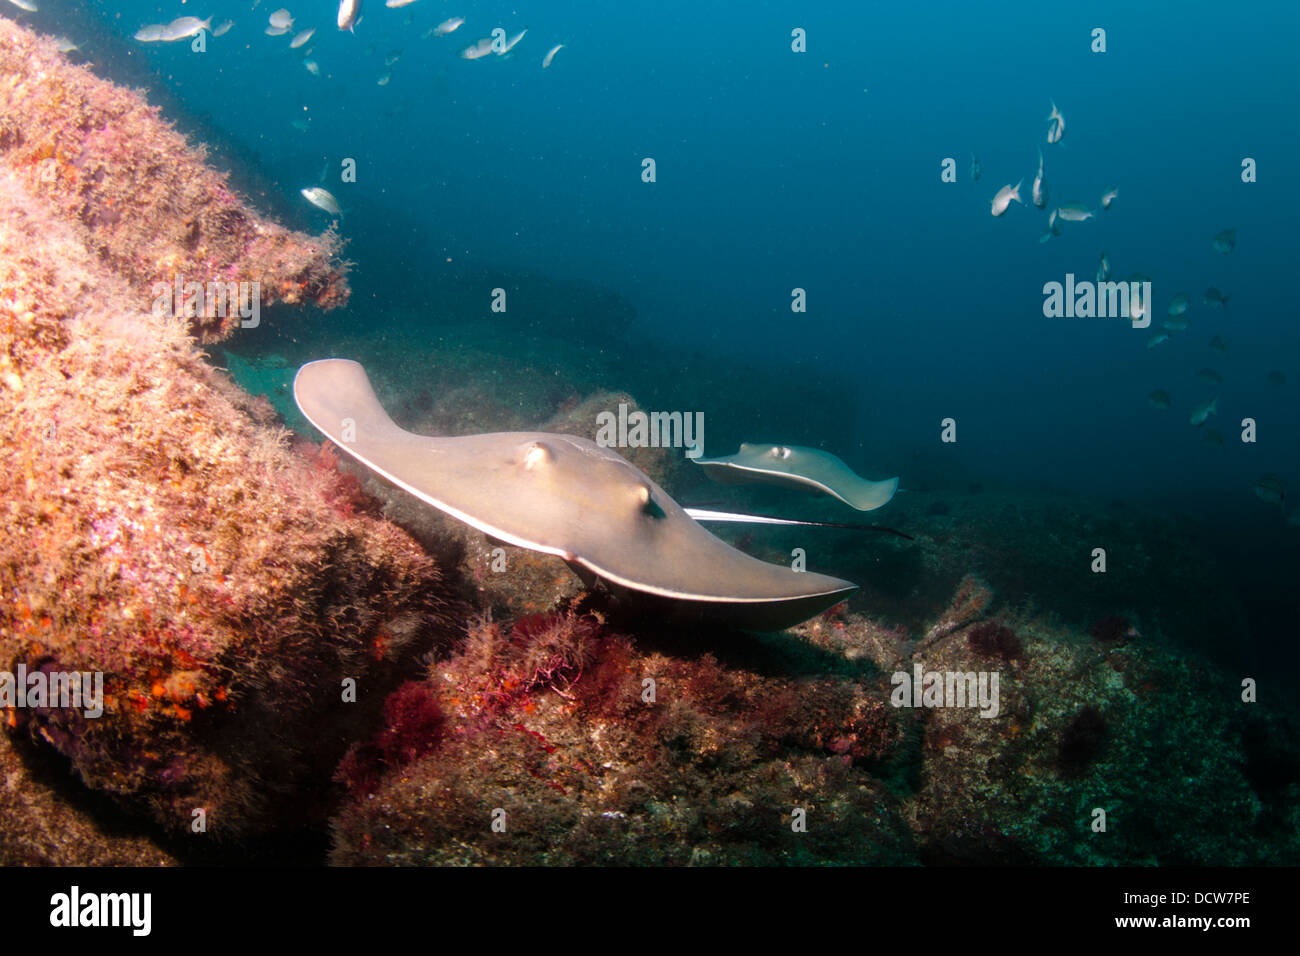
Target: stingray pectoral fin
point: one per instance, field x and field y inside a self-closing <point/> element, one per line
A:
<point x="866" y="495"/>
<point x="335" y="395"/>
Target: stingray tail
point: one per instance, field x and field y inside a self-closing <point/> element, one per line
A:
<point x="703" y="514"/>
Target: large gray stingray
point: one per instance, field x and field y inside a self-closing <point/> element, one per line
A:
<point x="563" y="495"/>
<point x="793" y="466"/>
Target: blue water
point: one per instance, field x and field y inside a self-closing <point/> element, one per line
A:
<point x="821" y="170"/>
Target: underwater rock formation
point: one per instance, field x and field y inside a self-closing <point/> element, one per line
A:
<point x="40" y="827"/>
<point x="146" y="205"/>
<point x="156" y="530"/>
<point x="560" y="742"/>
<point x="1080" y="726"/>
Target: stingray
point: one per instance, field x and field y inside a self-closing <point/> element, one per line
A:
<point x="566" y="496"/>
<point x="795" y="467"/>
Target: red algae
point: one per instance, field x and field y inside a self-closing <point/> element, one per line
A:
<point x="588" y="748"/>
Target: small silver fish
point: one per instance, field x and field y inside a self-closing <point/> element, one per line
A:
<point x="322" y="199"/>
<point x="65" y="45"/>
<point x="1214" y="297"/>
<point x="1270" y="489"/>
<point x="276" y="31"/>
<point x="448" y="26"/>
<point x="510" y="44"/>
<point x="25" y="5"/>
<point x="1157" y="339"/>
<point x="1137" y="308"/>
<point x="182" y="28"/>
<point x="477" y="51"/>
<point x="1056" y="129"/>
<point x="1004" y="197"/>
<point x="1074" y="212"/>
<point x="1108" y="197"/>
<point x="1225" y="241"/>
<point x="301" y="38"/>
<point x="312" y="67"/>
<point x="1103" y="268"/>
<point x="398" y="4"/>
<point x="1039" y="189"/>
<point x="550" y="55"/>
<point x="1178" y="304"/>
<point x="349" y="10"/>
<point x="281" y="18"/>
<point x="383" y="80"/>
<point x="223" y="28"/>
<point x="392" y="57"/>
<point x="150" y="34"/>
<point x="1202" y="412"/>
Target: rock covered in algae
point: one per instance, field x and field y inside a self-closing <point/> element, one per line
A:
<point x="156" y="530"/>
<point x="40" y="827"/>
<point x="554" y="741"/>
<point x="145" y="204"/>
<point x="1155" y="737"/>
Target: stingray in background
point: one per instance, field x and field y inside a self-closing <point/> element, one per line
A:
<point x="793" y="466"/>
<point x="566" y="496"/>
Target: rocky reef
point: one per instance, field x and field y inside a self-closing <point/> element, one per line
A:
<point x="557" y="741"/>
<point x="296" y="654"/>
<point x="159" y="527"/>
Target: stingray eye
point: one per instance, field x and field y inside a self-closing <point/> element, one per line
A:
<point x="537" y="454"/>
<point x="646" y="499"/>
<point x="781" y="452"/>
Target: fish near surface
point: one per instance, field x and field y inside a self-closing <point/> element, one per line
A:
<point x="1039" y="189"/>
<point x="1056" y="125"/>
<point x="1103" y="268"/>
<point x="1202" y="412"/>
<point x="566" y="496"/>
<point x="1004" y="197"/>
<point x="349" y="10"/>
<point x="1074" y="212"/>
<point x="322" y="199"/>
